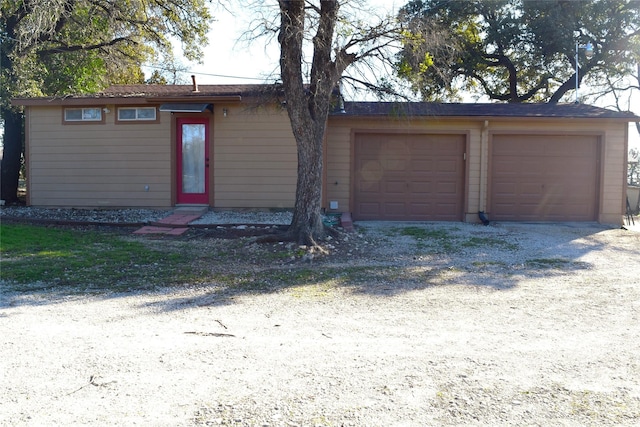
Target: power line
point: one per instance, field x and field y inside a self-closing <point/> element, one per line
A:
<point x="203" y="74"/>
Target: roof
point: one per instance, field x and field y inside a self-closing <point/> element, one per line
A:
<point x="408" y="109"/>
<point x="122" y="94"/>
<point x="161" y="91"/>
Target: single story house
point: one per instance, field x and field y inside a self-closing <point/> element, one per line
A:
<point x="231" y="147"/>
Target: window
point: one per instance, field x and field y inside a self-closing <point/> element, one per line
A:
<point x="136" y="113"/>
<point x="92" y="114"/>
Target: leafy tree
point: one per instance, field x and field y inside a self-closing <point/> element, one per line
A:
<point x="338" y="40"/>
<point x="156" y="78"/>
<point x="518" y="50"/>
<point x="52" y="47"/>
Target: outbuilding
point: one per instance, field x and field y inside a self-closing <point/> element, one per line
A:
<point x="231" y="147"/>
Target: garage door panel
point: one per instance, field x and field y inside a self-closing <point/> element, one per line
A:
<point x="506" y="189"/>
<point x="442" y="208"/>
<point x="370" y="171"/>
<point x="394" y="209"/>
<point x="581" y="165"/>
<point x="422" y="165"/>
<point x="506" y="165"/>
<point x="395" y="187"/>
<point x="369" y="187"/>
<point x="369" y="208"/>
<point x="552" y="178"/>
<point x="421" y="177"/>
<point x="422" y="189"/>
<point x="447" y="165"/>
<point x="446" y="188"/>
<point x="511" y="146"/>
<point x="394" y="164"/>
<point x="529" y="189"/>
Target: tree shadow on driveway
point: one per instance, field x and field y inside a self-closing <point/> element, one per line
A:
<point x="382" y="259"/>
<point x="395" y="258"/>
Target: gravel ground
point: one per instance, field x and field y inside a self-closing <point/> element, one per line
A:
<point x="95" y="215"/>
<point x="144" y="215"/>
<point x="511" y="324"/>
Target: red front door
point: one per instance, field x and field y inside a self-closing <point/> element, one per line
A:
<point x="192" y="160"/>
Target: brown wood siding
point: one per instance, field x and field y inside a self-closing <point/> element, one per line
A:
<point x="255" y="158"/>
<point x="409" y="177"/>
<point x="614" y="175"/>
<point x="98" y="164"/>
<point x="544" y="177"/>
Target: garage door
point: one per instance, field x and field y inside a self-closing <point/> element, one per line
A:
<point x="544" y="177"/>
<point x="409" y="177"/>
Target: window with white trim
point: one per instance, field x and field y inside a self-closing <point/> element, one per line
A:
<point x="136" y="113"/>
<point x="92" y="114"/>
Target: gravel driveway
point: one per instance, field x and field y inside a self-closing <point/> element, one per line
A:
<point x="511" y="324"/>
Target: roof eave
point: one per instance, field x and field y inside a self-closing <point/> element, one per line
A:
<point x="120" y="100"/>
<point x="343" y="116"/>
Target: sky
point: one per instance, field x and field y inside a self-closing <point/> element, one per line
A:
<point x="227" y="57"/>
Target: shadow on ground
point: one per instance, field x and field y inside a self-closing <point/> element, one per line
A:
<point x="380" y="259"/>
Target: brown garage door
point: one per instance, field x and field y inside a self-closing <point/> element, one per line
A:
<point x="544" y="177"/>
<point x="409" y="177"/>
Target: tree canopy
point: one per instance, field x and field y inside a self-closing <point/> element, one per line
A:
<point x="54" y="47"/>
<point x="516" y="50"/>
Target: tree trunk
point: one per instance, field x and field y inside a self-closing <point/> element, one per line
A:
<point x="308" y="109"/>
<point x="12" y="139"/>
<point x="306" y="226"/>
<point x="11" y="155"/>
<point x="308" y="106"/>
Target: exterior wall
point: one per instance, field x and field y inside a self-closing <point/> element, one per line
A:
<point x="254" y="158"/>
<point x="98" y="164"/>
<point x="339" y="151"/>
<point x="612" y="136"/>
<point x="614" y="175"/>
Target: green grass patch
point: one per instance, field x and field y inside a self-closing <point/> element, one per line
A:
<point x="548" y="262"/>
<point x="430" y="240"/>
<point x="42" y="257"/>
<point x="446" y="241"/>
<point x="420" y="233"/>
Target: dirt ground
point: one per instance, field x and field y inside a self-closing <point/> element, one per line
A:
<point x="447" y="324"/>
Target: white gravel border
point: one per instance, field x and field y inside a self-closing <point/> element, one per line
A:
<point x="241" y="217"/>
<point x="145" y="215"/>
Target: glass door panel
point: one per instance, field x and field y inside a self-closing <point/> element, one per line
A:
<point x="193" y="144"/>
<point x="193" y="161"/>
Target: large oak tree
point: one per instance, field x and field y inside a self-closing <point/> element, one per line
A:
<point x="519" y="50"/>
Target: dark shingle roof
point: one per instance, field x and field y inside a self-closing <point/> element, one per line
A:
<point x="159" y="91"/>
<point x="408" y="109"/>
